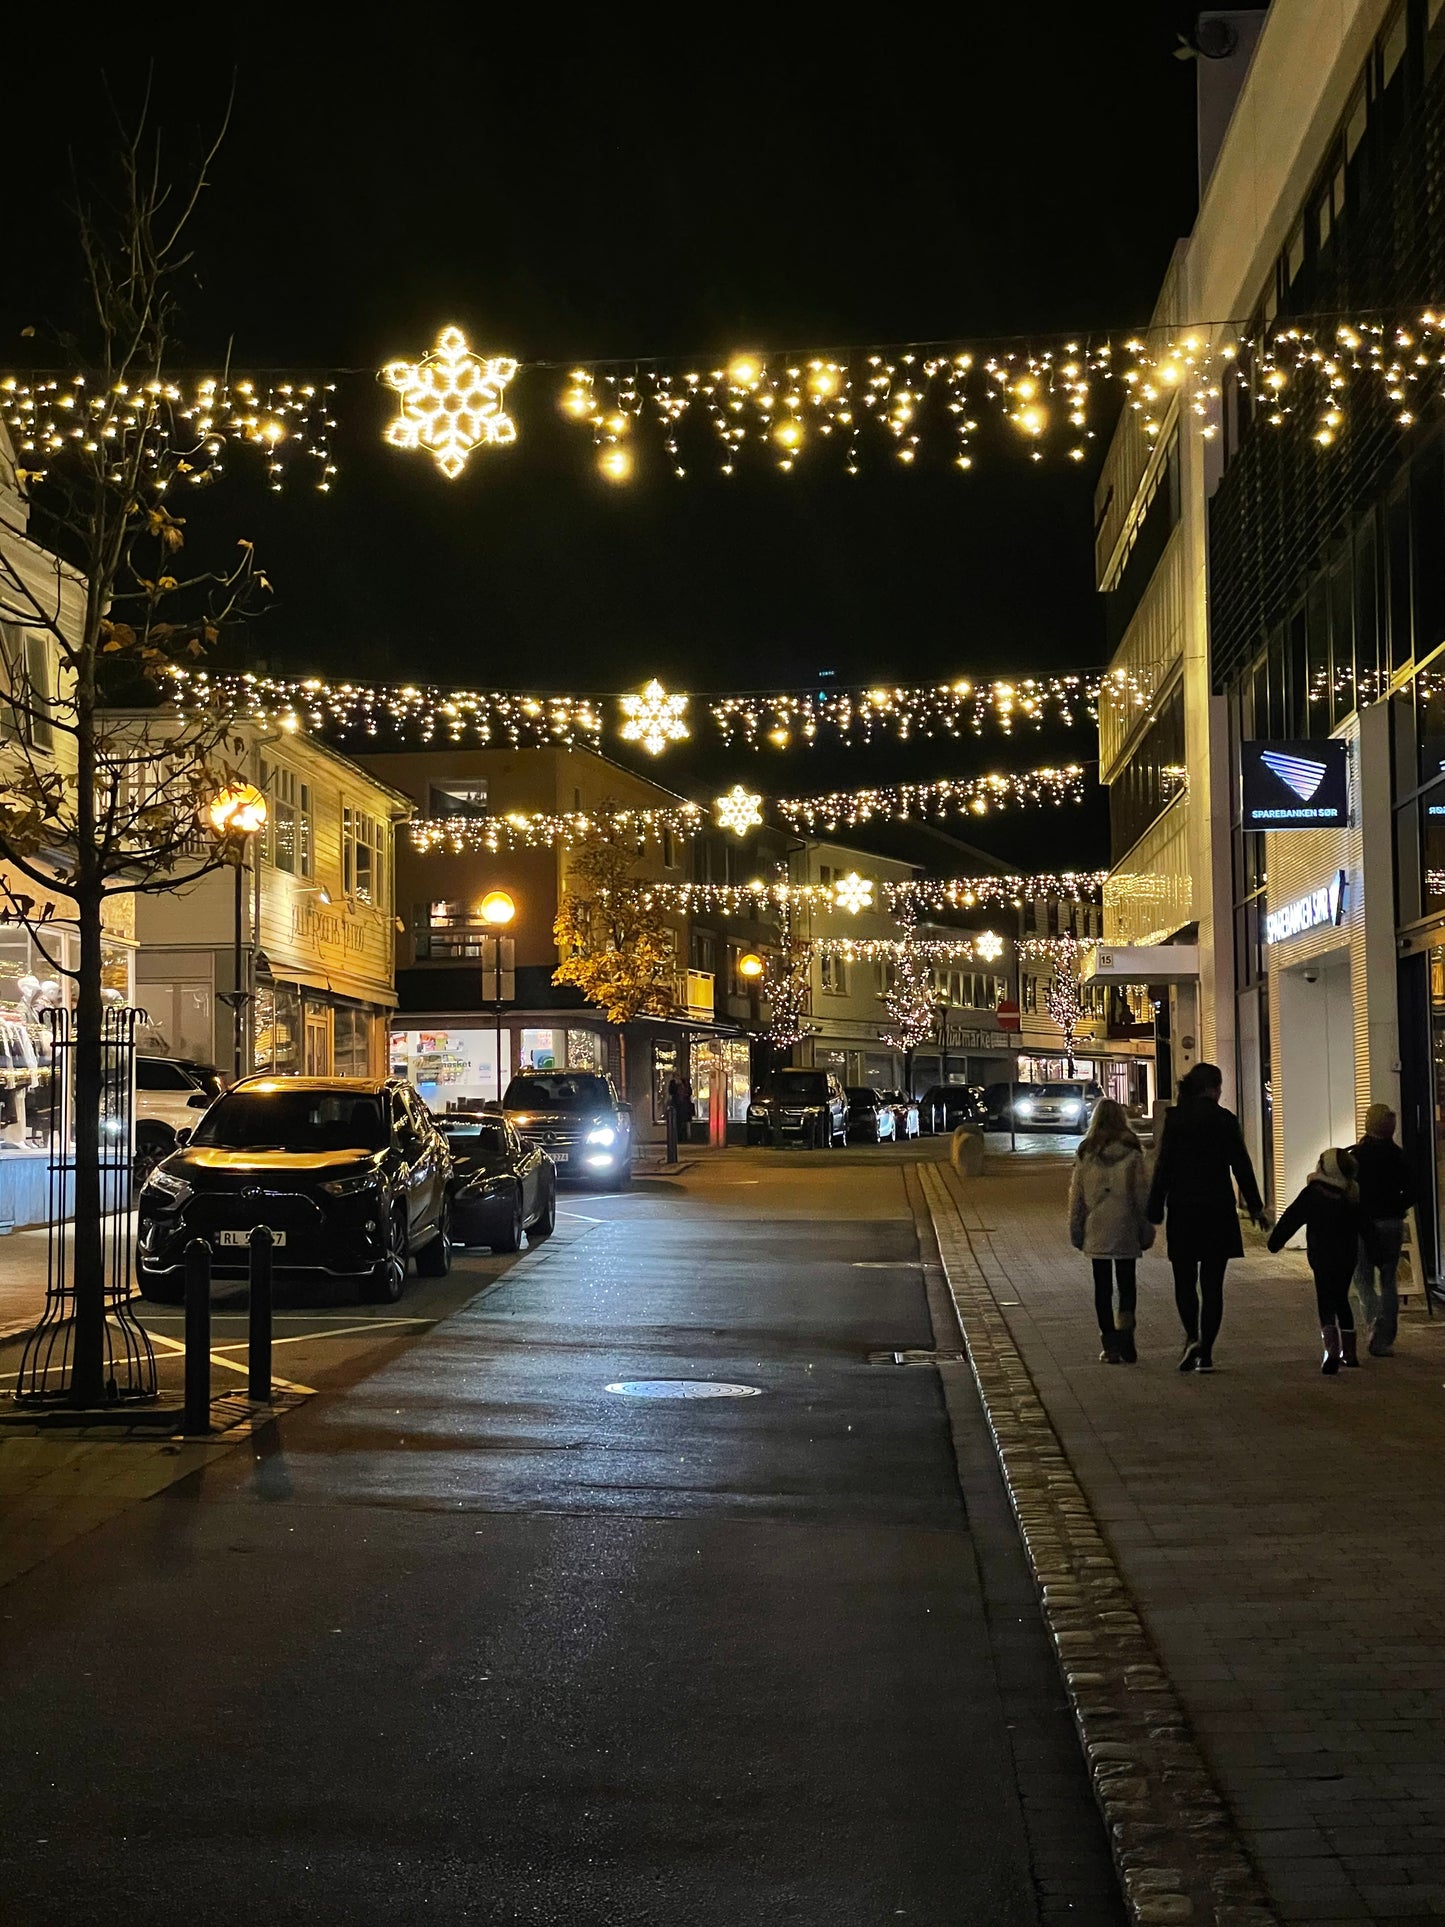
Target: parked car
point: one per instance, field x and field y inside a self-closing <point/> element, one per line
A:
<point x="170" y="1092"/>
<point x="1001" y="1103"/>
<point x="799" y="1106"/>
<point x="1058" y="1107"/>
<point x="871" y="1117"/>
<point x="504" y="1187"/>
<point x="944" y="1107"/>
<point x="578" y="1119"/>
<point x="905" y="1110"/>
<point x="350" y="1174"/>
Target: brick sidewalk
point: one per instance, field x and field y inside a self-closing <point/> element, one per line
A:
<point x="1281" y="1534"/>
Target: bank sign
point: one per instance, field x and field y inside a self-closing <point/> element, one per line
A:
<point x="1295" y="786"/>
<point x="1325" y="906"/>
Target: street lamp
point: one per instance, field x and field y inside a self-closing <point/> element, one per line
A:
<point x="497" y="910"/>
<point x="751" y="966"/>
<point x="238" y="812"/>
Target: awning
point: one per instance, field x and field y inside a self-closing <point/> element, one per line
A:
<point x="1142" y="963"/>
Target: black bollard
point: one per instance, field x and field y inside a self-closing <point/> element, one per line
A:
<point x="198" y="1337"/>
<point x="258" y="1333"/>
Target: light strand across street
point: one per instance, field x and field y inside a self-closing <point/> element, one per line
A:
<point x="918" y="893"/>
<point x="927" y="949"/>
<point x="949" y="796"/>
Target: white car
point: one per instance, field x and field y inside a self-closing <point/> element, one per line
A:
<point x="1057" y="1107"/>
<point x="169" y="1097"/>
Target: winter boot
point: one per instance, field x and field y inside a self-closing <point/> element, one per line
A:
<point x="1125" y="1334"/>
<point x="1330" y="1364"/>
<point x="1349" y="1348"/>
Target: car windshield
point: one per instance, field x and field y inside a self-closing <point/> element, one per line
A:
<point x="1062" y="1090"/>
<point x="474" y="1140"/>
<point x="799" y="1087"/>
<point x="294" y="1120"/>
<point x="859" y="1094"/>
<point x="558" y="1091"/>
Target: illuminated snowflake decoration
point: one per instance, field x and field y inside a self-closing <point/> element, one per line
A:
<point x="989" y="946"/>
<point x="654" y="718"/>
<point x="451" y="402"/>
<point x="853" y="893"/>
<point x="739" y="811"/>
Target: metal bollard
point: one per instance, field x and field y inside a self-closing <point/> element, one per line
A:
<point x="198" y="1337"/>
<point x="258" y="1330"/>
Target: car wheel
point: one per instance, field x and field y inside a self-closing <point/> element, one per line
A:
<point x="152" y="1143"/>
<point x="510" y="1237"/>
<point x="547" y="1219"/>
<point x="623" y="1178"/>
<point x="388" y="1279"/>
<point x="435" y="1260"/>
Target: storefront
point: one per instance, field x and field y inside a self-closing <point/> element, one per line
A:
<point x="454" y="1062"/>
<point x="300" y="1029"/>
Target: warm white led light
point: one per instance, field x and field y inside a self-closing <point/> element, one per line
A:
<point x="451" y="402"/>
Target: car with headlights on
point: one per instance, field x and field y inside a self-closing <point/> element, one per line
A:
<point x="578" y="1119"/>
<point x="799" y="1106"/>
<point x="351" y="1176"/>
<point x="1057" y="1107"/>
<point x="504" y="1187"/>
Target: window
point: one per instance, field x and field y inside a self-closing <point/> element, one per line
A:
<point x="363" y="856"/>
<point x="154" y="1074"/>
<point x="351" y="1042"/>
<point x="669" y="850"/>
<point x="1029" y="992"/>
<point x="25" y="663"/>
<point x="1153" y="775"/>
<point x="446" y="930"/>
<point x="825" y="874"/>
<point x="286" y="839"/>
<point x="834" y="974"/>
<point x="464" y="798"/>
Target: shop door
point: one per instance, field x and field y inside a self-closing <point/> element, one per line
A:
<point x="318" y="1043"/>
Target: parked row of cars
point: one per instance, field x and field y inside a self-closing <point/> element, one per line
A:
<point x="813" y="1108"/>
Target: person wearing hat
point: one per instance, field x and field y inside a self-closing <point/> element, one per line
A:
<point x="1387" y="1191"/>
<point x="1328" y="1212"/>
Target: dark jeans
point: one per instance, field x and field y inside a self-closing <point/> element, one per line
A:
<point x="1382" y="1307"/>
<point x="1199" y="1298"/>
<point x="1104" y="1269"/>
<point x="1332" y="1297"/>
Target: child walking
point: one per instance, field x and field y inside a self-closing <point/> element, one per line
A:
<point x="1108" y="1194"/>
<point x="1329" y="1211"/>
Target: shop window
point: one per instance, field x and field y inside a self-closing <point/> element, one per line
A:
<point x="467" y="798"/>
<point x="351" y="1042"/>
<point x="363" y="856"/>
<point x="286" y="839"/>
<point x="277" y="1035"/>
<point x="584" y="1051"/>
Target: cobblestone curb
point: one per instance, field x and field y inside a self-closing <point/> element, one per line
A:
<point x="1178" y="1854"/>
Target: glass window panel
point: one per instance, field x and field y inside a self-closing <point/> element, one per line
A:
<point x="1342" y="642"/>
<point x="1397" y="526"/>
<point x="1317" y="661"/>
<point x="1432" y="851"/>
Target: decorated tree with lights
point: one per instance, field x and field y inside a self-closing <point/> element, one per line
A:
<point x="1064" y="1006"/>
<point x="789" y="985"/>
<point x="96" y="804"/>
<point x="616" y="947"/>
<point x="908" y="1001"/>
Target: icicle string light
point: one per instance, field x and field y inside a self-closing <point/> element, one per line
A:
<point x="902" y="802"/>
<point x="920" y="894"/>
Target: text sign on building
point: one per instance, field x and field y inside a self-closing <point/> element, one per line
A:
<point x="1307" y="913"/>
<point x="1295" y="786"/>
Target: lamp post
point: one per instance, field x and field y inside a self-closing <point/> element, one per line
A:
<point x="496" y="911"/>
<point x="239" y="812"/>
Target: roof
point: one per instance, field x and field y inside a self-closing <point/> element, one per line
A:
<point x="283" y="1081"/>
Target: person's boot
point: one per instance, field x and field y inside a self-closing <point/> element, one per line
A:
<point x="1349" y="1348"/>
<point x="1125" y="1335"/>
<point x="1189" y="1357"/>
<point x="1109" y="1353"/>
<point x="1330" y="1363"/>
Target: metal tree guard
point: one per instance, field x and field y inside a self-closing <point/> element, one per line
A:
<point x="47" y="1362"/>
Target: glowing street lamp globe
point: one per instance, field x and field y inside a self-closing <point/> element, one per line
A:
<point x="238" y="811"/>
<point x="497" y="909"/>
<point x="751" y="966"/>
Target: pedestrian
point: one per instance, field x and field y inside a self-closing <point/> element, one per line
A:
<point x="1328" y="1210"/>
<point x="1387" y="1191"/>
<point x="1201" y="1145"/>
<point x="1108" y="1193"/>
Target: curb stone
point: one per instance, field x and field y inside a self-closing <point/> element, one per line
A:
<point x="1178" y="1855"/>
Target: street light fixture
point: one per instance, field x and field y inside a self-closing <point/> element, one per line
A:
<point x="751" y="966"/>
<point x="497" y="910"/>
<point x="238" y="812"/>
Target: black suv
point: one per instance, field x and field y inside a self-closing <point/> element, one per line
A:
<point x="578" y="1119"/>
<point x="798" y="1106"/>
<point x="351" y="1175"/>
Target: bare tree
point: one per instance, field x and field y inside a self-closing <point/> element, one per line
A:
<point x="96" y="804"/>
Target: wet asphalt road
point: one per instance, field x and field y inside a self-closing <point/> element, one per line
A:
<point x="478" y="1640"/>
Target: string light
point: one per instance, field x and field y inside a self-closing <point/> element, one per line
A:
<point x="451" y="402"/>
<point x="975" y="795"/>
<point x="1062" y="952"/>
<point x="853" y="893"/>
<point x="535" y="829"/>
<point x="898" y="897"/>
<point x="739" y="811"/>
<point x="654" y="718"/>
<point x="884" y="949"/>
<point x="854" y="716"/>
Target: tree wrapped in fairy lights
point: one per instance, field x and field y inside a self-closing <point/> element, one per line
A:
<point x="1064" y="1007"/>
<point x="908" y="1003"/>
<point x="789" y="985"/>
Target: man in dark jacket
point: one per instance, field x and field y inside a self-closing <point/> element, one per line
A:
<point x="1201" y="1145"/>
<point x="1387" y="1191"/>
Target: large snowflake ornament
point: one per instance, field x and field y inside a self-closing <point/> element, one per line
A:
<point x="853" y="893"/>
<point x="450" y="402"/>
<point x="739" y="811"/>
<point x="654" y="718"/>
<point x="989" y="946"/>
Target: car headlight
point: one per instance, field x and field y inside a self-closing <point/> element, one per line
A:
<point x="176" y="1189"/>
<point x="349" y="1187"/>
<point x="757" y="1110"/>
<point x="1072" y="1110"/>
<point x="602" y="1134"/>
<point x="1025" y="1107"/>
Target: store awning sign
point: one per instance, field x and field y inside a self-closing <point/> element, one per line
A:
<point x="1325" y="906"/>
<point x="1295" y="786"/>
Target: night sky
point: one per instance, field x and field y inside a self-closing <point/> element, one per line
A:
<point x="608" y="192"/>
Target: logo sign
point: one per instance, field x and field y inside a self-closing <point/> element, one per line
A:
<point x="1295" y="786"/>
<point x="1307" y="913"/>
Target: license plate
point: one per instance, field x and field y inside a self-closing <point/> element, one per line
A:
<point x="560" y="1157"/>
<point x="244" y="1237"/>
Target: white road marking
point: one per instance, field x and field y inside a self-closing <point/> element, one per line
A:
<point x="230" y="1365"/>
<point x="343" y="1331"/>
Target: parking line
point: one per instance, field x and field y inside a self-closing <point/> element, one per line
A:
<point x="218" y="1358"/>
<point x="342" y="1331"/>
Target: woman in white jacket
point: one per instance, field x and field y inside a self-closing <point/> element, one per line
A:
<point x="1108" y="1222"/>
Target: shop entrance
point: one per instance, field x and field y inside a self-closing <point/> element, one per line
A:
<point x="1316" y="1018"/>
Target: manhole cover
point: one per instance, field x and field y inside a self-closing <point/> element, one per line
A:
<point x="681" y="1388"/>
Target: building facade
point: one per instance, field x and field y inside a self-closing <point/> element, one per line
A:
<point x="316" y="945"/>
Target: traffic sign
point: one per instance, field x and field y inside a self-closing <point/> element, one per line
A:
<point x="1008" y="1015"/>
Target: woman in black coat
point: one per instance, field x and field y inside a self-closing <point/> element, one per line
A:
<point x="1200" y="1147"/>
